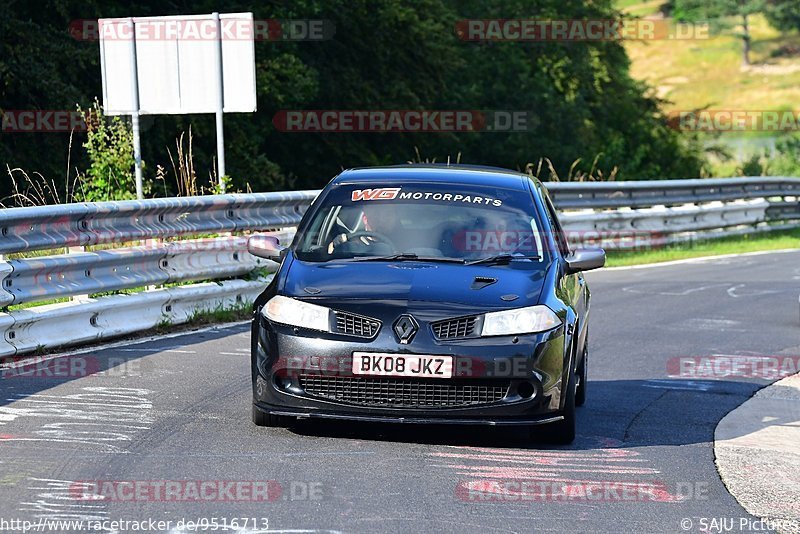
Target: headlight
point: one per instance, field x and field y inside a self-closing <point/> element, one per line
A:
<point x="519" y="321"/>
<point x="294" y="312"/>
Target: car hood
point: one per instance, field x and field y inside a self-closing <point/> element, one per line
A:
<point x="462" y="286"/>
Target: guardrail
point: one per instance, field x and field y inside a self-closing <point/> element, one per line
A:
<point x="79" y="275"/>
<point x="602" y="195"/>
<point x="625" y="215"/>
<point x="654" y="213"/>
<point x="63" y="225"/>
<point x="660" y="226"/>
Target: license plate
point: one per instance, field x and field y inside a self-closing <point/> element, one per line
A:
<point x="371" y="363"/>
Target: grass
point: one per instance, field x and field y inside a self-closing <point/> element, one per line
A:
<point x="784" y="239"/>
<point x="696" y="73"/>
<point x="241" y="311"/>
<point x="238" y="312"/>
<point x="708" y="73"/>
<point x="59" y="300"/>
<point x="24" y="305"/>
<point x="637" y="8"/>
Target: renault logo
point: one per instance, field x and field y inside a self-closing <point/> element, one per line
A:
<point x="405" y="327"/>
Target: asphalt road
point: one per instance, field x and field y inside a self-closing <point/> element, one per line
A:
<point x="177" y="410"/>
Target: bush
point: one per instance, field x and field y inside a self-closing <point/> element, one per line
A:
<point x="109" y="146"/>
<point x="786" y="161"/>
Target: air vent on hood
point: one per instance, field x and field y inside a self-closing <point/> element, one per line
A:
<point x="482" y="281"/>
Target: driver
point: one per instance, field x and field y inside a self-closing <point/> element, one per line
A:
<point x="382" y="218"/>
<point x="381" y="222"/>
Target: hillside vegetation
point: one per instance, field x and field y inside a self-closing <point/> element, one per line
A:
<point x="708" y="73"/>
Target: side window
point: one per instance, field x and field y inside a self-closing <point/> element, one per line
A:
<point x="558" y="233"/>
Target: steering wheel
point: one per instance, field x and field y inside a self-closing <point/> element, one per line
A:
<point x="377" y="237"/>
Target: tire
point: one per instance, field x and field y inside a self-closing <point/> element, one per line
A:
<point x="261" y="418"/>
<point x="563" y="432"/>
<point x="583" y="377"/>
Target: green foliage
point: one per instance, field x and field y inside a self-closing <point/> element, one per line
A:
<point x="109" y="146"/>
<point x="786" y="160"/>
<point x="42" y="67"/>
<point x="582" y="95"/>
<point x="224" y="187"/>
<point x="388" y="55"/>
<point x="757" y="241"/>
<point x="783" y="15"/>
<point x="221" y="314"/>
<point x="716" y="9"/>
<point x="755" y="165"/>
<point x="718" y="12"/>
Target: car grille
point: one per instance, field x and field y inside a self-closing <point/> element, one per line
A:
<point x="454" y="328"/>
<point x="404" y="392"/>
<point x="356" y="325"/>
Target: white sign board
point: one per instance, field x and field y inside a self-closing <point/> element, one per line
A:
<point x="177" y="64"/>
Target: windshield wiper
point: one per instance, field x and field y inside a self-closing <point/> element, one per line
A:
<point x="409" y="256"/>
<point x="502" y="258"/>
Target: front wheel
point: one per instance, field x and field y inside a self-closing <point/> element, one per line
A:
<point x="563" y="432"/>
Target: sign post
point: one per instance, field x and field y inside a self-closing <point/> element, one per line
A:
<point x="178" y="65"/>
<point x="137" y="143"/>
<point x="220" y="107"/>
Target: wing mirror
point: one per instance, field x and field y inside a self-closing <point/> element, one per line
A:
<point x="266" y="246"/>
<point x="585" y="259"/>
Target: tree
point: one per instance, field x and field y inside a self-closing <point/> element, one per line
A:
<point x="717" y="11"/>
<point x="783" y="14"/>
<point x="387" y="55"/>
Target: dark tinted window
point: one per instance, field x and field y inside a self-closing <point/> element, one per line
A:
<point x="431" y="220"/>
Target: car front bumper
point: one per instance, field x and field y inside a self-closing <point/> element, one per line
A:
<point x="532" y="367"/>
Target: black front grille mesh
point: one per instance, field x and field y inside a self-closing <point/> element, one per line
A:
<point x="454" y="328"/>
<point x="404" y="392"/>
<point x="356" y="325"/>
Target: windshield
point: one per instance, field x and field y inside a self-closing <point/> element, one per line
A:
<point x="421" y="221"/>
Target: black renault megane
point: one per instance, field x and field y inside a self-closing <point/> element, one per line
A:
<point x="425" y="294"/>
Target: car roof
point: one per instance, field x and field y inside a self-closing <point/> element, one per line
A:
<point x="432" y="173"/>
